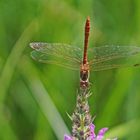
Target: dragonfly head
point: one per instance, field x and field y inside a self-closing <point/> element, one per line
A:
<point x="84" y="75"/>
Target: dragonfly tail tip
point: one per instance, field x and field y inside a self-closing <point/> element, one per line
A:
<point x="88" y="18"/>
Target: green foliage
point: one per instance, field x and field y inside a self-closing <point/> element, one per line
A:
<point x="34" y="98"/>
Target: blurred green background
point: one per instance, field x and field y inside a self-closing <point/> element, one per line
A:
<point x="34" y="98"/>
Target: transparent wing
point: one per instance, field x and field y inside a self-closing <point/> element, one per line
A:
<point x="109" y="57"/>
<point x="57" y="53"/>
<point x="101" y="58"/>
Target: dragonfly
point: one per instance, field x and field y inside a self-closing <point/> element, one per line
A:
<point x="76" y="58"/>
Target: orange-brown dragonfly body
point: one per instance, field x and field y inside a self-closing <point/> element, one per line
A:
<point x="84" y="70"/>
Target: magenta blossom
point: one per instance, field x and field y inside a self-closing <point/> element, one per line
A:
<point x="66" y="137"/>
<point x="92" y="136"/>
<point x="100" y="135"/>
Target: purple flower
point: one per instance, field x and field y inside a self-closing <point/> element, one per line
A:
<point x="66" y="137"/>
<point x="99" y="136"/>
<point x="100" y="133"/>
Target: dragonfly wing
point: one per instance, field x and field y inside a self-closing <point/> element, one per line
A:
<point x="108" y="57"/>
<point x="57" y="53"/>
<point x="109" y="65"/>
